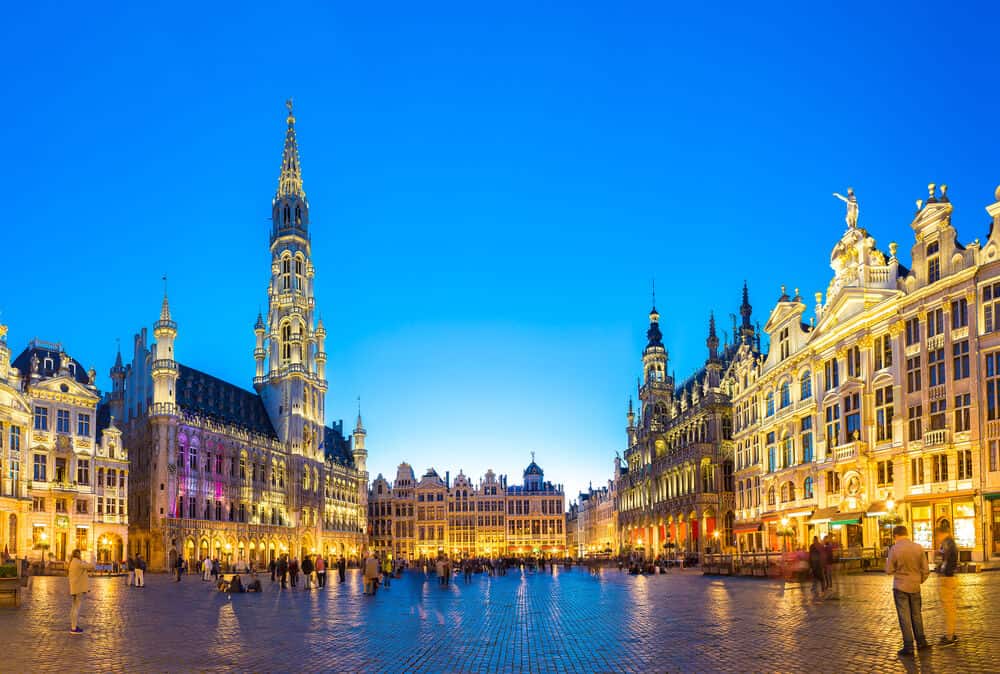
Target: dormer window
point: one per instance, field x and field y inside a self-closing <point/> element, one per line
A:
<point x="933" y="262"/>
<point x="783" y="341"/>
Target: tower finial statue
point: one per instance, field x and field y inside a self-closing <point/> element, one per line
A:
<point x="852" y="207"/>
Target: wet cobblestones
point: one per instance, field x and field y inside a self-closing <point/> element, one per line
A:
<point x="534" y="622"/>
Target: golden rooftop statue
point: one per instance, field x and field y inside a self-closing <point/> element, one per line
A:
<point x="852" y="207"/>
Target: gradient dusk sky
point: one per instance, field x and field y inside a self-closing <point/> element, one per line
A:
<point x="492" y="189"/>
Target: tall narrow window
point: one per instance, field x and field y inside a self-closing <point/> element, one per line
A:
<point x="933" y="262"/>
<point x="913" y="374"/>
<point x="963" y="402"/>
<point x="935" y="323"/>
<point x="917" y="471"/>
<point x="959" y="313"/>
<point x="915" y="422"/>
<point x="806" y="439"/>
<point x="993" y="386"/>
<point x="831" y="373"/>
<point x="833" y="425"/>
<point x="991" y="308"/>
<point x="912" y="331"/>
<point x="964" y="464"/>
<point x="854" y="362"/>
<point x="883" y="414"/>
<point x="786" y="394"/>
<point x="960" y="360"/>
<point x="939" y="410"/>
<point x="935" y="367"/>
<point x="883" y="352"/>
<point x="783" y="342"/>
<point x="286" y="274"/>
<point x="299" y="285"/>
<point x="62" y="421"/>
<point x="805" y="385"/>
<point x="939" y="467"/>
<point x="852" y="416"/>
<point x="83" y="425"/>
<point x="770" y="403"/>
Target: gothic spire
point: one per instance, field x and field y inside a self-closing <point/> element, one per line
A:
<point x="290" y="180"/>
<point x="746" y="329"/>
<point x="713" y="341"/>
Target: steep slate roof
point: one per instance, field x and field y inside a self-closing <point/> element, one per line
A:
<point x="216" y="399"/>
<point x="23" y="363"/>
<point x="336" y="447"/>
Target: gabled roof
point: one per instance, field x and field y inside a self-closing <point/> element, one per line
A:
<point x="214" y="398"/>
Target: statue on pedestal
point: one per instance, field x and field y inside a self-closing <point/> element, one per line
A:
<point x="852" y="207"/>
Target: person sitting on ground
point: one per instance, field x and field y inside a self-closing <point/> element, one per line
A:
<point x="236" y="585"/>
<point x="254" y="584"/>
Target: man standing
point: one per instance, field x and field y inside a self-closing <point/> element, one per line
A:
<point x="206" y="569"/>
<point x="907" y="565"/>
<point x="78" y="584"/>
<point x="130" y="564"/>
<point x="320" y="571"/>
<point x="179" y="567"/>
<point x="341" y="568"/>
<point x="371" y="572"/>
<point x="140" y="571"/>
<point x="948" y="561"/>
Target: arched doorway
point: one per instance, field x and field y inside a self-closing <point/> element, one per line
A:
<point x="172" y="560"/>
<point x="203" y="550"/>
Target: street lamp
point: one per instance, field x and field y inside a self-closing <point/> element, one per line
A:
<point x="786" y="531"/>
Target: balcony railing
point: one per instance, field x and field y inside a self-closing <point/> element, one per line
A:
<point x="157" y="409"/>
<point x="164" y="364"/>
<point x="936" y="437"/>
<point x="847" y="451"/>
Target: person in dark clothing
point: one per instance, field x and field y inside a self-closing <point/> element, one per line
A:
<point x="342" y="568"/>
<point x="816" y="567"/>
<point x="293" y="571"/>
<point x="282" y="568"/>
<point x="307" y="570"/>
<point x="272" y="566"/>
<point x="947" y="556"/>
<point x="179" y="568"/>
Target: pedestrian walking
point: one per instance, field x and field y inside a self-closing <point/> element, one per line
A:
<point x="216" y="569"/>
<point x="79" y="584"/>
<point x="206" y="570"/>
<point x="947" y="555"/>
<point x="293" y="571"/>
<point x="272" y="566"/>
<point x="342" y="568"/>
<point x="828" y="565"/>
<point x="320" y="571"/>
<point x="179" y="568"/>
<point x="908" y="567"/>
<point x="282" y="570"/>
<point x="371" y="573"/>
<point x="140" y="571"/>
<point x="130" y="565"/>
<point x="816" y="568"/>
<point x="307" y="571"/>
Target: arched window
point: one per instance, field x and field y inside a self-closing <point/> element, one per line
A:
<point x="286" y="273"/>
<point x="286" y="339"/>
<point x="770" y="496"/>
<point x="786" y="394"/>
<point x="784" y="492"/>
<point x="807" y="488"/>
<point x="805" y="384"/>
<point x="299" y="282"/>
<point x="791" y="491"/>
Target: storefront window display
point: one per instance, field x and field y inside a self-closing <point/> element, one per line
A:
<point x="965" y="524"/>
<point x="923" y="526"/>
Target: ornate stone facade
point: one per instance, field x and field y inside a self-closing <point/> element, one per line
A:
<point x="420" y="519"/>
<point x="885" y="406"/>
<point x="675" y="489"/>
<point x="226" y="472"/>
<point x="64" y="473"/>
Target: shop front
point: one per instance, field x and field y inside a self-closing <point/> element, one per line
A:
<point x="748" y="536"/>
<point x="958" y="512"/>
<point x="992" y="502"/>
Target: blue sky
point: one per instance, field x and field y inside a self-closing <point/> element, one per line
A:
<point x="492" y="190"/>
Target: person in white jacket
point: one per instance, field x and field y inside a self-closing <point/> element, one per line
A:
<point x="79" y="583"/>
<point x="206" y="569"/>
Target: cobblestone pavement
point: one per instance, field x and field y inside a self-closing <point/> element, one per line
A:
<point x="565" y="621"/>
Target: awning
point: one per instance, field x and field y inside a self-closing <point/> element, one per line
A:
<point x="746" y="527"/>
<point x="799" y="513"/>
<point x="773" y="517"/>
<point x="995" y="496"/>
<point x="823" y="515"/>
<point x="877" y="509"/>
<point x="846" y="518"/>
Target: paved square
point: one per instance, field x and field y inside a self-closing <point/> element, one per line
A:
<point x="566" y="621"/>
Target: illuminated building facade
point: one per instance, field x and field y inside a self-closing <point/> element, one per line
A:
<point x="675" y="489"/>
<point x="592" y="523"/>
<point x="885" y="406"/>
<point x="65" y="472"/>
<point x="421" y="519"/>
<point x="226" y="472"/>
